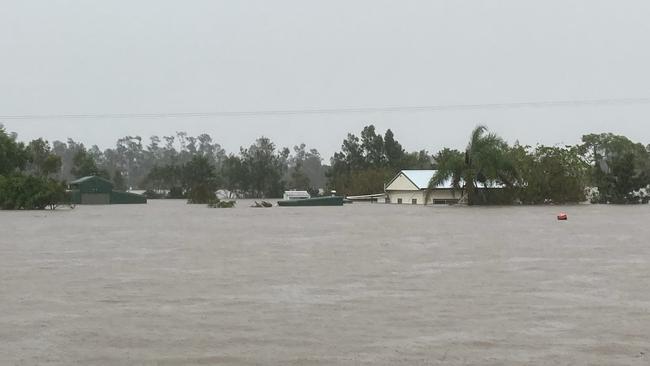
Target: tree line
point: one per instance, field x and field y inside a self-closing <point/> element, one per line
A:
<point x="176" y="166"/>
<point x="604" y="168"/>
<point x="616" y="170"/>
<point x="26" y="174"/>
<point x="366" y="163"/>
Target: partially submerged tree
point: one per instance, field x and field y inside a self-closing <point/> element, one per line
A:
<point x="265" y="168"/>
<point x="305" y="169"/>
<point x="23" y="175"/>
<point x="26" y="192"/>
<point x="118" y="181"/>
<point x="84" y="165"/>
<point x="485" y="164"/>
<point x="200" y="180"/>
<point x="620" y="168"/>
<point x="42" y="161"/>
<point x="450" y="167"/>
<point x="549" y="174"/>
<point x="13" y="156"/>
<point x="364" y="165"/>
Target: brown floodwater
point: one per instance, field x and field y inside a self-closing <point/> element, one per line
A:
<point x="365" y="284"/>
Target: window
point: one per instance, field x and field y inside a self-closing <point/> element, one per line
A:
<point x="399" y="201"/>
<point x="414" y="201"/>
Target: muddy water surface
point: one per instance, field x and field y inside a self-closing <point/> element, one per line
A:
<point x="173" y="284"/>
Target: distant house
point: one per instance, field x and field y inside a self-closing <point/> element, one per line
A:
<point x="410" y="187"/>
<point x="95" y="190"/>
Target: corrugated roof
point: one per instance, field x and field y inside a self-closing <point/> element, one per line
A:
<point x="84" y="179"/>
<point x="421" y="178"/>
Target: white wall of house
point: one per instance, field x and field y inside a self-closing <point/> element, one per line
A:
<point x="443" y="194"/>
<point x="402" y="190"/>
<point x="402" y="183"/>
<point x="407" y="197"/>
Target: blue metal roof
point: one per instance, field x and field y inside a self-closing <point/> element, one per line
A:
<point x="421" y="179"/>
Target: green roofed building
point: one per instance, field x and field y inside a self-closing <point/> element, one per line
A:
<point x="95" y="190"/>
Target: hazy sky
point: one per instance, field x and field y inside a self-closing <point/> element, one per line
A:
<point x="154" y="56"/>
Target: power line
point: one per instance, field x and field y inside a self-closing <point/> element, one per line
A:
<point x="325" y="111"/>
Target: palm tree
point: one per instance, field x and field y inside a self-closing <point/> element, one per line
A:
<point x="450" y="167"/>
<point x="485" y="161"/>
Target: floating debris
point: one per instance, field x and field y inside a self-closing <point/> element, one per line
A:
<point x="217" y="203"/>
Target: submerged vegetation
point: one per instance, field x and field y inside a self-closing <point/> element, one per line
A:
<point x="619" y="168"/>
<point x="25" y="175"/>
<point x="616" y="169"/>
<point x="364" y="164"/>
<point x="485" y="162"/>
<point x="604" y="168"/>
<point x="217" y="203"/>
<point x="21" y="191"/>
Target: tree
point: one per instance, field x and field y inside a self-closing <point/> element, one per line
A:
<point x="13" y="155"/>
<point x="620" y="168"/>
<point x="84" y="165"/>
<point x="395" y="154"/>
<point x="485" y="163"/>
<point x="549" y="174"/>
<point x="26" y="192"/>
<point x="415" y="160"/>
<point x="211" y="150"/>
<point x="168" y="177"/>
<point x="373" y="147"/>
<point x="169" y="152"/>
<point x="352" y="154"/>
<point x="200" y="180"/>
<point x="236" y="176"/>
<point x="118" y="181"/>
<point x="23" y="174"/>
<point x="450" y="166"/>
<point x="67" y="153"/>
<point x="264" y="168"/>
<point x="305" y="169"/>
<point x="364" y="165"/>
<point x="299" y="180"/>
<point x="129" y="158"/>
<point x="42" y="161"/>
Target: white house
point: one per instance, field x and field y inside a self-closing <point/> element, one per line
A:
<point x="410" y="187"/>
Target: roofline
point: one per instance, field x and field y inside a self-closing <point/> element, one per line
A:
<point x="401" y="172"/>
<point x="432" y="189"/>
<point x="83" y="179"/>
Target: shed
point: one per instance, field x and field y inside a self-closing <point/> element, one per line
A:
<point x="410" y="187"/>
<point x="94" y="190"/>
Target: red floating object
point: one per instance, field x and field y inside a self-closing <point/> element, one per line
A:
<point x="562" y="216"/>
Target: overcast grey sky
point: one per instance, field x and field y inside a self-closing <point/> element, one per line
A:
<point x="154" y="56"/>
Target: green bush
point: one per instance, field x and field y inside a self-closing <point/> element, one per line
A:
<point x="217" y="203"/>
<point x="26" y="192"/>
<point x="200" y="194"/>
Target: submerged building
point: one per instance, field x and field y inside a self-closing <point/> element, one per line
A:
<point x="410" y="187"/>
<point x="94" y="190"/>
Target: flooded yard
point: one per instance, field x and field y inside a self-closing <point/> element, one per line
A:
<point x="173" y="284"/>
